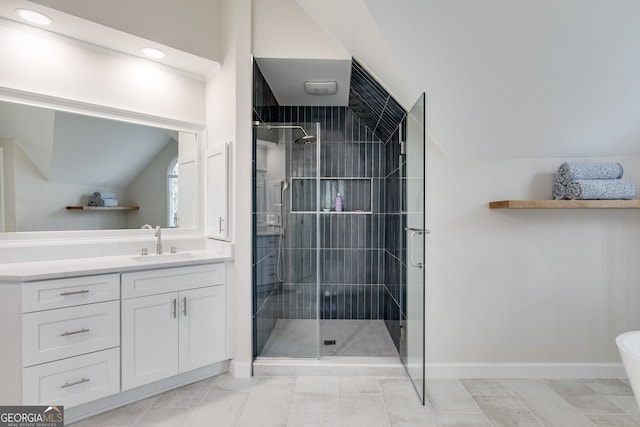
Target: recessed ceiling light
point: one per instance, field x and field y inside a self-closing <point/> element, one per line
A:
<point x="152" y="52"/>
<point x="34" y="17"/>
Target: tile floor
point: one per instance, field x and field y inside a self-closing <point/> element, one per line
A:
<point x="382" y="401"/>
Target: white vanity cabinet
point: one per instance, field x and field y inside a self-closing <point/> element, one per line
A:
<point x="70" y="339"/>
<point x="111" y="335"/>
<point x="174" y="321"/>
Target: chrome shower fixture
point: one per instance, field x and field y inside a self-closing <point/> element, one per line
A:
<point x="303" y="140"/>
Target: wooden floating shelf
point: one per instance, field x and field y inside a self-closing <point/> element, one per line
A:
<point x="103" y="208"/>
<point x="565" y="204"/>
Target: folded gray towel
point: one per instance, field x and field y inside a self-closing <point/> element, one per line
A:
<point x="103" y="199"/>
<point x="94" y="201"/>
<point x="559" y="191"/>
<point x="600" y="189"/>
<point x="588" y="170"/>
<point x="104" y="195"/>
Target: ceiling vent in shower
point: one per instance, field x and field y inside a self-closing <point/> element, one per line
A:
<point x="321" y="88"/>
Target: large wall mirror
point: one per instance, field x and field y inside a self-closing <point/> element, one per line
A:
<point x="65" y="171"/>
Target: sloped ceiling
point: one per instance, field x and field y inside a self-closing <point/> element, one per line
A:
<point x="504" y="78"/>
<point x="509" y="79"/>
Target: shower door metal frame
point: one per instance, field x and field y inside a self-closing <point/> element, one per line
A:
<point x="412" y="310"/>
<point x="318" y="243"/>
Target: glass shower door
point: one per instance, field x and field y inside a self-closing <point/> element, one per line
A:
<point x="285" y="249"/>
<point x="412" y="317"/>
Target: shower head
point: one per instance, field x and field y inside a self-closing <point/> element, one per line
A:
<point x="306" y="139"/>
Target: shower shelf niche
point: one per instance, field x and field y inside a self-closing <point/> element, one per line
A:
<point x="356" y="195"/>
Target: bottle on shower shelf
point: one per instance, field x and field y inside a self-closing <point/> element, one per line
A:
<point x="338" y="203"/>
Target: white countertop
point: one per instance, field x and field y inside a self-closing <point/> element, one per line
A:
<point x="41" y="270"/>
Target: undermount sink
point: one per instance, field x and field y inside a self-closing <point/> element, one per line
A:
<point x="164" y="257"/>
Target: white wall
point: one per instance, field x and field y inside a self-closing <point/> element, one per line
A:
<point x="48" y="66"/>
<point x="281" y="29"/>
<point x="525" y="286"/>
<point x="228" y="114"/>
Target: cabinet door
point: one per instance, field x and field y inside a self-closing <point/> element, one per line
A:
<point x="202" y="327"/>
<point x="149" y="351"/>
<point x="217" y="192"/>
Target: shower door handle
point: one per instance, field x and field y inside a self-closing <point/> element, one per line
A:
<point x="415" y="232"/>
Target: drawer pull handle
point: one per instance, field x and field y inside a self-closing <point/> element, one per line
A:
<point x="81" y="331"/>
<point x="84" y="380"/>
<point x="174" y="308"/>
<point x="184" y="307"/>
<point x="66" y="294"/>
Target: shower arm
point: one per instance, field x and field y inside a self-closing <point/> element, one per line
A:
<point x="288" y="127"/>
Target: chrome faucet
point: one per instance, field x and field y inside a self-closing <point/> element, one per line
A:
<point x="159" y="243"/>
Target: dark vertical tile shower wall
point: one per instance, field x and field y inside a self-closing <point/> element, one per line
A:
<point x="360" y="264"/>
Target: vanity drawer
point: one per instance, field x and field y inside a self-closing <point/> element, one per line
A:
<point x="58" y="293"/>
<point x="151" y="282"/>
<point x="56" y="334"/>
<point x="73" y="381"/>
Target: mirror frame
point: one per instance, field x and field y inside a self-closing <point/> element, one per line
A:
<point x="94" y="110"/>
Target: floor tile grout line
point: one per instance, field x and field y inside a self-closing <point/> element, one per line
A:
<point x="471" y="396"/>
<point x="554" y="392"/>
<point x="521" y="403"/>
<point x="637" y="418"/>
<point x="484" y="414"/>
<point x="384" y="403"/>
<point x="526" y="407"/>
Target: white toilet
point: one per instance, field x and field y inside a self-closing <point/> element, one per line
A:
<point x="629" y="346"/>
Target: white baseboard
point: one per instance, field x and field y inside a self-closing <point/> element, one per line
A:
<point x="240" y="369"/>
<point x="525" y="370"/>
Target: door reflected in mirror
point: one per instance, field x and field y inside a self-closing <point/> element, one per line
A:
<point x="55" y="159"/>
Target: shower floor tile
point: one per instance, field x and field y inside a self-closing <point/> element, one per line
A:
<point x="358" y="338"/>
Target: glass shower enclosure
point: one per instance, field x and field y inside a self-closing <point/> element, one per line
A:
<point x="339" y="276"/>
<point x="320" y="283"/>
